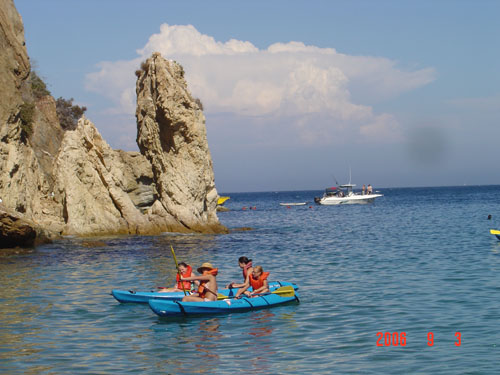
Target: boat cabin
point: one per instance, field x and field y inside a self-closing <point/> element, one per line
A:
<point x="339" y="191"/>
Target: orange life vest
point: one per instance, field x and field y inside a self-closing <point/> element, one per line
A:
<point x="187" y="284"/>
<point x="202" y="291"/>
<point x="258" y="283"/>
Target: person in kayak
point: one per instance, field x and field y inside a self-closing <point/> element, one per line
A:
<point x="246" y="266"/>
<point x="186" y="271"/>
<point x="257" y="279"/>
<point x="207" y="290"/>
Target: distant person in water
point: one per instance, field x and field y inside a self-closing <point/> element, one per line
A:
<point x="207" y="290"/>
<point x="186" y="271"/>
<point x="489" y="217"/>
<point x="257" y="279"/>
<point x="246" y="267"/>
<point x="369" y="189"/>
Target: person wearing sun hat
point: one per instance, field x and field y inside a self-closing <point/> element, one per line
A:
<point x="207" y="291"/>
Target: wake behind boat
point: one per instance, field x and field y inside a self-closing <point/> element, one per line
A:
<point x="344" y="194"/>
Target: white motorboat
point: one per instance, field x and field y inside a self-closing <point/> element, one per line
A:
<point x="344" y="194"/>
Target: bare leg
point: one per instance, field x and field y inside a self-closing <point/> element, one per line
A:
<point x="192" y="299"/>
<point x="165" y="290"/>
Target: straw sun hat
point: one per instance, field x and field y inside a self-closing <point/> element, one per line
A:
<point x="207" y="266"/>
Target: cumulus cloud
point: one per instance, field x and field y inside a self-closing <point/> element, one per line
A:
<point x="312" y="87"/>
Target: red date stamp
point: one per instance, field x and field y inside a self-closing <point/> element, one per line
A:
<point x="399" y="339"/>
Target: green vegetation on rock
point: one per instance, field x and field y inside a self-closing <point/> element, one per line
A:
<point x="26" y="114"/>
<point x="68" y="113"/>
<point x="38" y="87"/>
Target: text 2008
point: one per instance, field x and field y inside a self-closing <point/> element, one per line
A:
<point x="399" y="339"/>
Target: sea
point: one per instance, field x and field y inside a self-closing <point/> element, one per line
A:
<point x="409" y="284"/>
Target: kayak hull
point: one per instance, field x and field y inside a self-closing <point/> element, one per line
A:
<point x="496" y="233"/>
<point x="165" y="308"/>
<point x="131" y="296"/>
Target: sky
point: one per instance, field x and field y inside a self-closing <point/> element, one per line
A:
<point x="296" y="93"/>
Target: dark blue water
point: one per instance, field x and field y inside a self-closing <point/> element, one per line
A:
<point x="417" y="261"/>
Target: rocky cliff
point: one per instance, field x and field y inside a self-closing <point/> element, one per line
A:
<point x="171" y="133"/>
<point x="60" y="182"/>
<point x="22" y="180"/>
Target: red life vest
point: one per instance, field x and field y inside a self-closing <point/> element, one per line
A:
<point x="258" y="283"/>
<point x="202" y="291"/>
<point x="187" y="284"/>
<point x="245" y="269"/>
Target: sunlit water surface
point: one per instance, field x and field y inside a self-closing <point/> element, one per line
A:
<point x="416" y="261"/>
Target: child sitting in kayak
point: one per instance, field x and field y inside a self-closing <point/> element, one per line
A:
<point x="186" y="271"/>
<point x="246" y="266"/>
<point x="207" y="290"/>
<point x="257" y="280"/>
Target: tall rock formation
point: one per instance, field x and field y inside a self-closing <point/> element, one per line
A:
<point x="55" y="181"/>
<point x="171" y="133"/>
<point x="22" y="178"/>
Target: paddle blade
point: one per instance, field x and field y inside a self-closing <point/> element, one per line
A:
<point x="494" y="231"/>
<point x="285" y="291"/>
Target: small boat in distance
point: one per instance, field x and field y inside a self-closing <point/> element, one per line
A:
<point x="496" y="233"/>
<point x="293" y="204"/>
<point x="344" y="194"/>
<point x="221" y="200"/>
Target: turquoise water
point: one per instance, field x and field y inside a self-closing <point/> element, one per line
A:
<point x="416" y="261"/>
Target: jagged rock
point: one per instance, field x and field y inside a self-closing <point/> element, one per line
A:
<point x="90" y="188"/>
<point x="55" y="182"/>
<point x="137" y="177"/>
<point x="14" y="62"/>
<point x="47" y="135"/>
<point x="18" y="166"/>
<point x="17" y="232"/>
<point x="171" y="133"/>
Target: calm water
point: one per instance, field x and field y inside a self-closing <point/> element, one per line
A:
<point x="416" y="261"/>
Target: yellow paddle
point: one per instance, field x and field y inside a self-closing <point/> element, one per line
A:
<point x="494" y="231"/>
<point x="178" y="272"/>
<point x="284" y="291"/>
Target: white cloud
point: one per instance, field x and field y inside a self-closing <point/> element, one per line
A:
<point x="116" y="81"/>
<point x="312" y="86"/>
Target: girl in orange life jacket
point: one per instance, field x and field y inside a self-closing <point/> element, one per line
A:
<point x="207" y="291"/>
<point x="246" y="266"/>
<point x="186" y="271"/>
<point x="257" y="280"/>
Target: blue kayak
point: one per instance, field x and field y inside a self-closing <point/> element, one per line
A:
<point x="126" y="296"/>
<point x="167" y="308"/>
